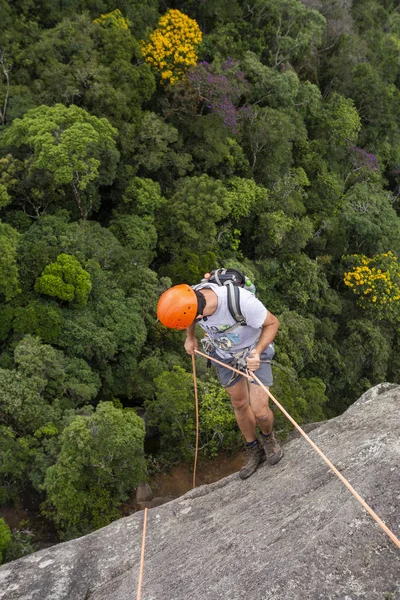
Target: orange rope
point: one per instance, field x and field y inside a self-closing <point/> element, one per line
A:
<point x="381" y="524"/>
<point x="139" y="591"/>
<point x="197" y="418"/>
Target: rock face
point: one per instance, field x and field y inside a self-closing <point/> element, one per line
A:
<point x="290" y="532"/>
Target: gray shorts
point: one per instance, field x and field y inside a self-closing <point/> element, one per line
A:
<point x="229" y="378"/>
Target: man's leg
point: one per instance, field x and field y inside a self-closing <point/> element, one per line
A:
<point x="245" y="417"/>
<point x="259" y="403"/>
<point x="246" y="420"/>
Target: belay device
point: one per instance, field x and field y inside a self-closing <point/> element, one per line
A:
<point x="232" y="279"/>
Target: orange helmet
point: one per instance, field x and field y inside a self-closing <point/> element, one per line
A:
<point x="177" y="307"/>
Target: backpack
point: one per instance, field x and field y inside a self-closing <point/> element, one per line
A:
<point x="232" y="279"/>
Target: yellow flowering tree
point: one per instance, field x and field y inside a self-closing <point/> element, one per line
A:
<point x="113" y="19"/>
<point x="172" y="47"/>
<point x="376" y="282"/>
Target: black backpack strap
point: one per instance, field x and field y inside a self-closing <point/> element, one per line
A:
<point x="233" y="296"/>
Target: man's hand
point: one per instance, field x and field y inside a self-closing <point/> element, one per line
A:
<point x="191" y="345"/>
<point x="253" y="360"/>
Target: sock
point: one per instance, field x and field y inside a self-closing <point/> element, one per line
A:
<point x="252" y="444"/>
<point x="265" y="435"/>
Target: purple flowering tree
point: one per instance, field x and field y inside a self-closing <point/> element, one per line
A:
<point x="221" y="90"/>
<point x="364" y="159"/>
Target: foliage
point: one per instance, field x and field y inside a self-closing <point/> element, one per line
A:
<point x="96" y="66"/>
<point x="376" y="283"/>
<point x="272" y="144"/>
<point x="71" y="146"/>
<point x="100" y="462"/>
<point x="21" y="543"/>
<point x="113" y="19"/>
<point x="172" y="47"/>
<point x="303" y="399"/>
<point x="39" y="318"/>
<point x="173" y="413"/>
<point x="217" y="421"/>
<point x="5" y="538"/>
<point x="9" y="277"/>
<point x="198" y="205"/>
<point x="15" y="457"/>
<point x="43" y="385"/>
<point x="220" y="89"/>
<point x="341" y="119"/>
<point x="65" y="279"/>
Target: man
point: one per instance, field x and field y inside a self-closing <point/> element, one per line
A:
<point x="239" y="346"/>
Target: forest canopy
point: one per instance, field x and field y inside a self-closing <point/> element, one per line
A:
<point x="143" y="144"/>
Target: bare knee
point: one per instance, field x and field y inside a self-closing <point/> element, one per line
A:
<point x="240" y="403"/>
<point x="239" y="396"/>
<point x="263" y="415"/>
<point x="260" y="405"/>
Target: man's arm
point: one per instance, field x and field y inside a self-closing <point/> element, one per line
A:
<point x="268" y="333"/>
<point x="191" y="342"/>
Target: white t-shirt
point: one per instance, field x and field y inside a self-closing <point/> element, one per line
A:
<point x="242" y="336"/>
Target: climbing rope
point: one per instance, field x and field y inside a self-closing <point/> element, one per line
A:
<point x="197" y="418"/>
<point x="252" y="376"/>
<point x="139" y="591"/>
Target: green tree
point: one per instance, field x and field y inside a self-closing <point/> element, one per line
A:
<point x="155" y="149"/>
<point x="93" y="65"/>
<point x="198" y="206"/>
<point x="340" y="119"/>
<point x="75" y="150"/>
<point x="5" y="538"/>
<point x="280" y="89"/>
<point x="101" y="461"/>
<point x="280" y="32"/>
<point x="15" y="459"/>
<point x="38" y="318"/>
<point x="172" y="411"/>
<point x="366" y="221"/>
<point x="65" y="279"/>
<point x="297" y="283"/>
<point x="21" y="542"/>
<point x="113" y="20"/>
<point x="217" y="421"/>
<point x="295" y="340"/>
<point x="141" y="14"/>
<point x="9" y="276"/>
<point x="366" y="354"/>
<point x="22" y="406"/>
<point x="268" y="138"/>
<point x="42" y="386"/>
<point x="303" y="399"/>
<point x="137" y="231"/>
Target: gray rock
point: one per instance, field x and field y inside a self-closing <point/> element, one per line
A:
<point x="144" y="493"/>
<point x="290" y="532"/>
<point x="158" y="501"/>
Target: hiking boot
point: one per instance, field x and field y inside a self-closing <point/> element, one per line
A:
<point x="254" y="456"/>
<point x="273" y="451"/>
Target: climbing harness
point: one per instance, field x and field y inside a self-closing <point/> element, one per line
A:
<point x="238" y="358"/>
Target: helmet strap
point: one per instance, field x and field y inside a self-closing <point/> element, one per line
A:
<point x="201" y="303"/>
